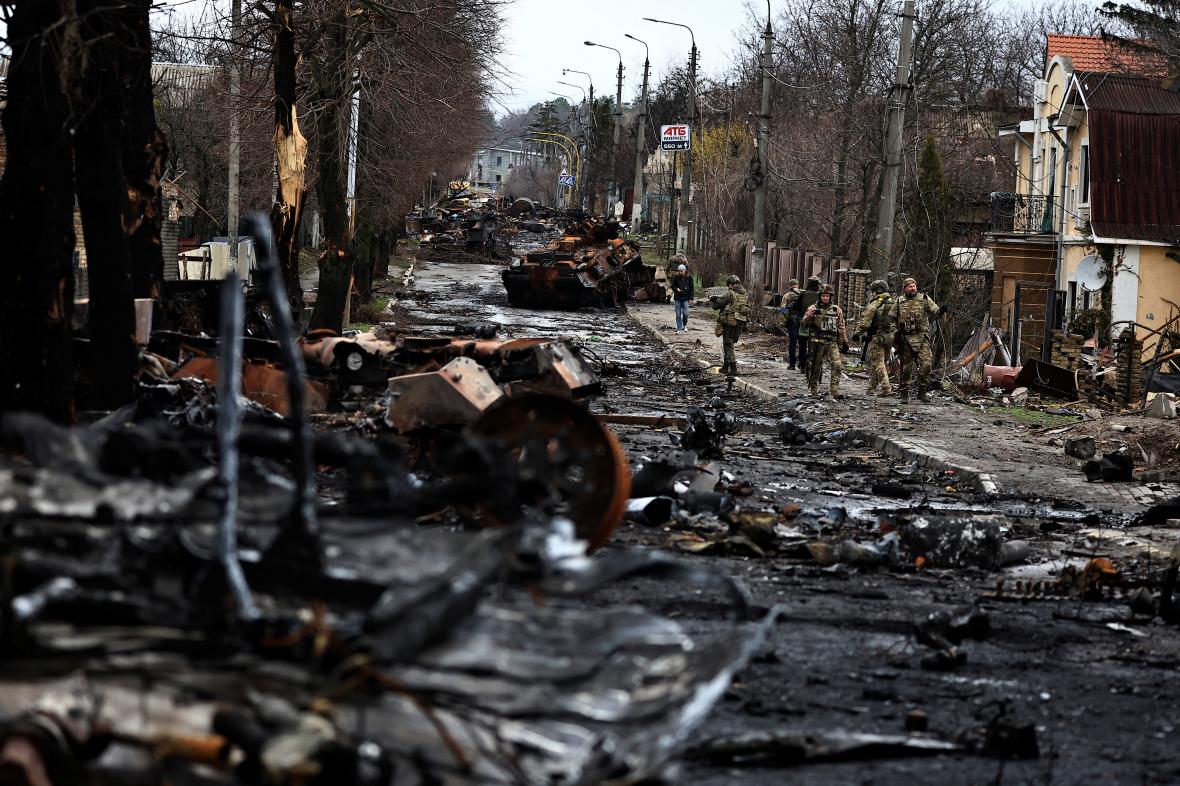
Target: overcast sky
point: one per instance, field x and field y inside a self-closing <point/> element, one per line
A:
<point x="545" y="36"/>
<point x="542" y="37"/>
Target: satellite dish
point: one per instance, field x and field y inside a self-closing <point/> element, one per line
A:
<point x="1091" y="273"/>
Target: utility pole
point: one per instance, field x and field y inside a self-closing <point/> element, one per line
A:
<point x="640" y="140"/>
<point x="684" y="218"/>
<point x="235" y="132"/>
<point x="683" y="241"/>
<point x="614" y="193"/>
<point x="886" y="211"/>
<point x="758" y="260"/>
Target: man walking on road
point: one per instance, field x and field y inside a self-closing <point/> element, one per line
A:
<point x="733" y="311"/>
<point x="911" y="314"/>
<point x="682" y="291"/>
<point x="807" y="298"/>
<point x="787" y="308"/>
<point x="825" y="323"/>
<point x="877" y="328"/>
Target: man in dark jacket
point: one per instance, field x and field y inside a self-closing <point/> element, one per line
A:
<point x="682" y="291"/>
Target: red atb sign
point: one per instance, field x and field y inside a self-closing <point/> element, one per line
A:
<point x="674" y="137"/>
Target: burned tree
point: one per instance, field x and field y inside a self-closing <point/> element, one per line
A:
<point x="102" y="196"/>
<point x="290" y="155"/>
<point x="36" y="210"/>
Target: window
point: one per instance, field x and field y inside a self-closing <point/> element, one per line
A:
<point x="499" y="178"/>
<point x="1085" y="176"/>
<point x="499" y="160"/>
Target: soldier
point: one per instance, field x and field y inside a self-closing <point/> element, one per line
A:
<point x="733" y="310"/>
<point x="911" y="315"/>
<point x="805" y="301"/>
<point x="877" y="327"/>
<point x="788" y="310"/>
<point x="827" y="336"/>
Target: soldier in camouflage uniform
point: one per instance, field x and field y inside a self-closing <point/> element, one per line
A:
<point x="827" y="336"/>
<point x="911" y="314"/>
<point x="733" y="311"/>
<point x="877" y="327"/>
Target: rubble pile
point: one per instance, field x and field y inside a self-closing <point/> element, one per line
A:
<point x="590" y="265"/>
<point x="185" y="600"/>
<point x="461" y="226"/>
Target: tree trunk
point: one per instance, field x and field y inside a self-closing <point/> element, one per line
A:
<point x="331" y="80"/>
<point x="144" y="150"/>
<point x="291" y="157"/>
<point x="839" y="242"/>
<point x="102" y="197"/>
<point x="36" y="211"/>
<point x="366" y="242"/>
<point x="869" y="207"/>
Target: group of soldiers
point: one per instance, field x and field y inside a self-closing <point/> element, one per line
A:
<point x="816" y="327"/>
<point x="817" y="333"/>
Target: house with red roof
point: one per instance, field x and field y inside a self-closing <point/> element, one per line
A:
<point x="1097" y="174"/>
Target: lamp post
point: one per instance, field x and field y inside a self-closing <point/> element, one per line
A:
<point x="589" y="130"/>
<point x="615" y="187"/>
<point x="684" y="217"/>
<point x="640" y="137"/>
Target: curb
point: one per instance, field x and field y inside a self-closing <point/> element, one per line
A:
<point x="925" y="457"/>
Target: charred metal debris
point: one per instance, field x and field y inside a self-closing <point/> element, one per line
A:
<point x="589" y="265"/>
<point x="181" y="604"/>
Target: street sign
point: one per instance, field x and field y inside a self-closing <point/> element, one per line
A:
<point x="566" y="180"/>
<point x="674" y="137"/>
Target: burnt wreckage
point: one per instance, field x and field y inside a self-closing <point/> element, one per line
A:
<point x="181" y="606"/>
<point x="590" y="265"/>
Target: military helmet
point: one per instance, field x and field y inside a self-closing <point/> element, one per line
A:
<point x="827" y="290"/>
<point x="813" y="280"/>
<point x="879" y="286"/>
<point x="731" y="280"/>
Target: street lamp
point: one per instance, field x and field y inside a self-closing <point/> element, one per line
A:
<point x="640" y="136"/>
<point x="571" y="84"/>
<point x="615" y="190"/>
<point x="686" y="190"/>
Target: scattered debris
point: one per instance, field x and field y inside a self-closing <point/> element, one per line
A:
<point x="1116" y="467"/>
<point x="1081" y="447"/>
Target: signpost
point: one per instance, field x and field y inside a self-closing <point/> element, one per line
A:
<point x="566" y="180"/>
<point x="674" y="137"/>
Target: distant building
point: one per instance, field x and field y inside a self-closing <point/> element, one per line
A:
<point x="492" y="166"/>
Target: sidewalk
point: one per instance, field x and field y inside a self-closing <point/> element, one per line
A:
<point x="994" y="452"/>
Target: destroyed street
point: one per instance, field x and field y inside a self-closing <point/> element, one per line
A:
<point x="798" y="408"/>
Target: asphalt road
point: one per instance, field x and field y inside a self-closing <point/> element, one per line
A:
<point x="1093" y="684"/>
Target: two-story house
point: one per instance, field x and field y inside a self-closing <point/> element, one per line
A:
<point x="1097" y="168"/>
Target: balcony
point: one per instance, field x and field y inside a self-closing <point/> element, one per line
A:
<point x="1021" y="214"/>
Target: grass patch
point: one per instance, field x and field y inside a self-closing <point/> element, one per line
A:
<point x="365" y="315"/>
<point x="1033" y="417"/>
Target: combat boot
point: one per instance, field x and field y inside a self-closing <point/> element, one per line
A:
<point x="885" y="392"/>
<point x="905" y="395"/>
<point x="924" y="397"/>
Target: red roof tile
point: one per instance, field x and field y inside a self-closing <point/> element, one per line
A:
<point x="1092" y="53"/>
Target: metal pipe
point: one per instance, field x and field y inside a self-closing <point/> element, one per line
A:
<point x="302" y="530"/>
<point x="229" y="428"/>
